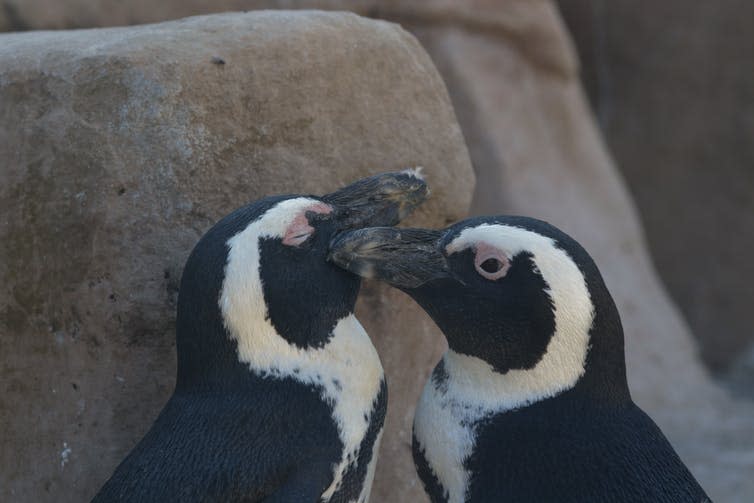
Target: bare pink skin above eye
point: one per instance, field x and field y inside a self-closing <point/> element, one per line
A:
<point x="299" y="230"/>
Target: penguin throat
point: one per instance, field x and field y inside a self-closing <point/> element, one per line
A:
<point x="346" y="371"/>
<point x="475" y="382"/>
<point x="302" y="329"/>
<point x="304" y="296"/>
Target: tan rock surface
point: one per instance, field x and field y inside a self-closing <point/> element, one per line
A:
<point x="121" y="146"/>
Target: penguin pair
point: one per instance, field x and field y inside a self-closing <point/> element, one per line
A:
<point x="280" y="396"/>
<point x="530" y="403"/>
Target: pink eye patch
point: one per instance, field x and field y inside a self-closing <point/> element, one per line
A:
<point x="490" y="262"/>
<point x="299" y="230"/>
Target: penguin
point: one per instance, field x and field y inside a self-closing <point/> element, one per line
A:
<point x="530" y="402"/>
<point x="280" y="396"/>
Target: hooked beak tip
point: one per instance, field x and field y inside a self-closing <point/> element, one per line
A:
<point x="380" y="200"/>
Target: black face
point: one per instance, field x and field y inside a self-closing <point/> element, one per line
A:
<point x="305" y="295"/>
<point x="489" y="305"/>
<point x="507" y="322"/>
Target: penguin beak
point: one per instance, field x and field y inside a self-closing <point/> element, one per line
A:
<point x="379" y="200"/>
<point x="404" y="258"/>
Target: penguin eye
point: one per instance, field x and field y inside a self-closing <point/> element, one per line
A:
<point x="300" y="228"/>
<point x="490" y="262"/>
<point x="491" y="265"/>
<point x="298" y="232"/>
<point x="297" y="240"/>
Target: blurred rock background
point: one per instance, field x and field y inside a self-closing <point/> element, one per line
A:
<point x="670" y="89"/>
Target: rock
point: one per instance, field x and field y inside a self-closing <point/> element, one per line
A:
<point x="122" y="146"/>
<point x="677" y="112"/>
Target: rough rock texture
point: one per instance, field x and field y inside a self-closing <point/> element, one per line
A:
<point x="122" y="146"/>
<point x="513" y="77"/>
<point x="672" y="87"/>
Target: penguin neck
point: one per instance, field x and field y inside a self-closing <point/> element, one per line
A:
<point x="595" y="369"/>
<point x="208" y="358"/>
<point x="212" y="355"/>
<point x="472" y="382"/>
<point x="267" y="352"/>
<point x="346" y="370"/>
<point x="604" y="377"/>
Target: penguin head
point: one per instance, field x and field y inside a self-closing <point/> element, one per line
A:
<point x="258" y="281"/>
<point x="513" y="292"/>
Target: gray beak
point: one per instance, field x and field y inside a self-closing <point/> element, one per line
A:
<point x="404" y="258"/>
<point x="380" y="200"/>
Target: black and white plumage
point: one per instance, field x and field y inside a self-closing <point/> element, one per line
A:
<point x="280" y="394"/>
<point x="530" y="403"/>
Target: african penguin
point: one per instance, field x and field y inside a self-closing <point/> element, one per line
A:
<point x="530" y="403"/>
<point x="280" y="395"/>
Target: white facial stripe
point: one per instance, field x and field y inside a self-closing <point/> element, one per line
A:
<point x="347" y="367"/>
<point x="445" y="417"/>
<point x="563" y="362"/>
<point x="242" y="299"/>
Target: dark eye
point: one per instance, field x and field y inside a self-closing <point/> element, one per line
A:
<point x="490" y="262"/>
<point x="491" y="265"/>
<point x="298" y="232"/>
<point x="297" y="240"/>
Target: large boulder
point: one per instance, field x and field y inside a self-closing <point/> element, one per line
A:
<point x="122" y="146"/>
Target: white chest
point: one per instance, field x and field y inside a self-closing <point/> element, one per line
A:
<point x="351" y="377"/>
<point x="444" y="428"/>
<point x="448" y="411"/>
<point x="347" y="370"/>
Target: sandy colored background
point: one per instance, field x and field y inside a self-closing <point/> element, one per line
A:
<point x="122" y="146"/>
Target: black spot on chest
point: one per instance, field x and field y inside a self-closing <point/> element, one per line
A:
<point x="440" y="377"/>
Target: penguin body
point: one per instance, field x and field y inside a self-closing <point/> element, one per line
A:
<point x="530" y="403"/>
<point x="280" y="394"/>
<point x="560" y="449"/>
